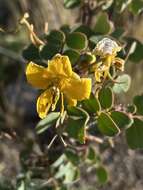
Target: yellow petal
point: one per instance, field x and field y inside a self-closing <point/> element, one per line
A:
<point x="60" y="66"/>
<point x="78" y="89"/>
<point x="37" y="76"/>
<point x="71" y="102"/>
<point x="44" y="103"/>
<point x="98" y="76"/>
<point x="75" y="76"/>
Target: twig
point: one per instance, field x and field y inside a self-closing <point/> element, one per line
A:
<point x="11" y="54"/>
<point x="63" y="141"/>
<point x="52" y="141"/>
<point x="95" y="139"/>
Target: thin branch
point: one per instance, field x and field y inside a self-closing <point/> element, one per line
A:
<point x="95" y="139"/>
<point x="11" y="54"/>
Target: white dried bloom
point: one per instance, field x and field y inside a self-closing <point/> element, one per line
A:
<point x="107" y="47"/>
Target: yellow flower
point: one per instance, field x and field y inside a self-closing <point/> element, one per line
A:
<point x="58" y="80"/>
<point x="107" y="50"/>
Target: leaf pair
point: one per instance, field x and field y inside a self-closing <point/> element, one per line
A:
<point x="76" y="124"/>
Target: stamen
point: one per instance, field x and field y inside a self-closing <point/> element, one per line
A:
<point x="34" y="38"/>
<point x="62" y="104"/>
<point x="56" y="95"/>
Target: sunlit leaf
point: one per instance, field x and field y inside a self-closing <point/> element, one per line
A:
<point x="69" y="4"/>
<point x="68" y="172"/>
<point x="136" y="6"/>
<point x="103" y="25"/>
<point x="121" y="5"/>
<point x="107" y="4"/>
<point x="123" y="84"/>
<point x="96" y="38"/>
<point x="22" y="186"/>
<point x="47" y="122"/>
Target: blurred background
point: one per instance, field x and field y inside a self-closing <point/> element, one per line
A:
<point x="17" y="98"/>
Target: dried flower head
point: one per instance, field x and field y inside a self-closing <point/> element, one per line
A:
<point x="107" y="47"/>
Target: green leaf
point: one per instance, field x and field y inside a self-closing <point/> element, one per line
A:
<point x="123" y="84"/>
<point x="87" y="58"/>
<point x="22" y="186"/>
<point x="72" y="174"/>
<point x="65" y="29"/>
<point x="91" y="154"/>
<point x="31" y="53"/>
<point x="137" y="55"/>
<point x="118" y="33"/>
<point x="63" y="188"/>
<point x="106" y="125"/>
<point x="67" y="172"/>
<point x="93" y="40"/>
<point x="76" y="129"/>
<point x="47" y="122"/>
<point x="138" y="101"/>
<point x="107" y="4"/>
<point x="70" y="4"/>
<point x="137" y="49"/>
<point x="91" y="105"/>
<point x="73" y="56"/>
<point x="55" y="41"/>
<point x="136" y="6"/>
<point x="134" y="134"/>
<point x="106" y="98"/>
<point x="131" y="109"/>
<point x="49" y="50"/>
<point x="85" y="30"/>
<point x="72" y="156"/>
<point x="78" y="112"/>
<point x="96" y="38"/>
<point x="56" y="36"/>
<point x="103" y="25"/>
<point x="121" y="119"/>
<point x="77" y="40"/>
<point x="59" y="161"/>
<point x="102" y="175"/>
<point x="121" y="5"/>
<point x="76" y="123"/>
